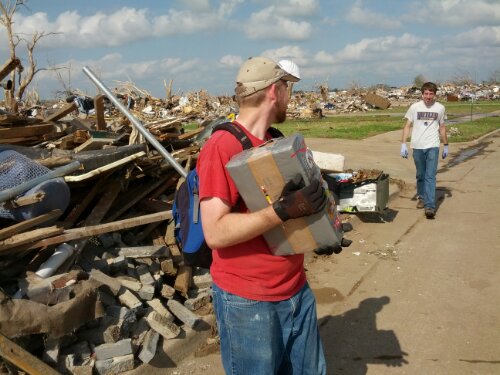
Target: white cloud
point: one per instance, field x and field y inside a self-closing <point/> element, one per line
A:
<point x="365" y="17"/>
<point x="478" y="36"/>
<point x="384" y="48"/>
<point x="294" y="53"/>
<point x="297" y="7"/>
<point x="121" y="27"/>
<point x="266" y="24"/>
<point x="456" y="12"/>
<point x="231" y="61"/>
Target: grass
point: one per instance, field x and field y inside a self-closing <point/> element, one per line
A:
<point x="468" y="131"/>
<point x="367" y="124"/>
<point x="346" y="127"/>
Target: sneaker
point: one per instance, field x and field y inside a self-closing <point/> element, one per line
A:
<point x="430" y="213"/>
<point x="420" y="203"/>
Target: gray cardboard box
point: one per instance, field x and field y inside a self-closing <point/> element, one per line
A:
<point x="364" y="196"/>
<point x="260" y="175"/>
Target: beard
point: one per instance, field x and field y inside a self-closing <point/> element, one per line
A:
<point x="280" y="116"/>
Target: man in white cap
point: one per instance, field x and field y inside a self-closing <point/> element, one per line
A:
<point x="266" y="312"/>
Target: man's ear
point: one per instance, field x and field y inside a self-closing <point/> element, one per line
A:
<point x="273" y="92"/>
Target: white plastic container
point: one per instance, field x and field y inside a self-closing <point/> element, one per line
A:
<point x="50" y="266"/>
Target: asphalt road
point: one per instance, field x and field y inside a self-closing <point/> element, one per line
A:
<point x="411" y="295"/>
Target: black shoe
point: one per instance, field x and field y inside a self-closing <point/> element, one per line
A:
<point x="430" y="213"/>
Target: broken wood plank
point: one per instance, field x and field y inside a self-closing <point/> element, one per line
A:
<point x="94" y="144"/>
<point x="105" y="168"/>
<point x="23" y="359"/>
<point x="27" y="224"/>
<point x="26" y="131"/>
<point x="25" y="200"/>
<point x="85" y="232"/>
<point x="31" y="236"/>
<point x="191" y="134"/>
<point x="8" y="67"/>
<point x="99" y="112"/>
<point x="68" y="108"/>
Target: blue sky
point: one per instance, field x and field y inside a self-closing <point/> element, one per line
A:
<point x="199" y="44"/>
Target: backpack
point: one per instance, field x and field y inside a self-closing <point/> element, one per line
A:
<point x="186" y="208"/>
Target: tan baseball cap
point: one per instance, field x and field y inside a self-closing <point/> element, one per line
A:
<point x="257" y="73"/>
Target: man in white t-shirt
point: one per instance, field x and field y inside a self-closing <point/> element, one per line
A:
<point x="427" y="119"/>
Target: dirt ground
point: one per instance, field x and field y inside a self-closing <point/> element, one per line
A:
<point x="410" y="295"/>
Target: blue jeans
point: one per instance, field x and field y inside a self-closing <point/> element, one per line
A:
<point x="269" y="337"/>
<point x="426" y="162"/>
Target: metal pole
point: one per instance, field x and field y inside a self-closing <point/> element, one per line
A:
<point x="157" y="145"/>
<point x="5" y="195"/>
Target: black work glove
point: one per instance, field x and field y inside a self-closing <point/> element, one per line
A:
<point x="298" y="201"/>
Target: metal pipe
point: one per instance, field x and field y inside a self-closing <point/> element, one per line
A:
<point x="157" y="145"/>
<point x="19" y="189"/>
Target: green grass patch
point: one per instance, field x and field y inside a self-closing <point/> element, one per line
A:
<point x="346" y="127"/>
<point x="468" y="131"/>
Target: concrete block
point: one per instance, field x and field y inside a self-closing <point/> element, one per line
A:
<point x="183" y="313"/>
<point x="202" y="281"/>
<point x="158" y="306"/>
<point x="127" y="298"/>
<point x="117" y="349"/>
<point x="144" y="275"/>
<point x="168" y="267"/>
<point x="129" y="282"/>
<point x="115" y="365"/>
<point x="149" y="346"/>
<point x="147" y="292"/>
<point x="168" y="330"/>
<point x="167" y="291"/>
<point x="195" y="303"/>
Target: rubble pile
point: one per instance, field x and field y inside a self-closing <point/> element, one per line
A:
<point x="123" y="287"/>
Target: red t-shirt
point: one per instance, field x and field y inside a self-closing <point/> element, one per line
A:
<point x="247" y="269"/>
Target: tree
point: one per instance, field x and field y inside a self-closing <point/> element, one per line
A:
<point x="419" y="80"/>
<point x="24" y="76"/>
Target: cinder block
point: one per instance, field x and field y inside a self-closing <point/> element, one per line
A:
<point x="147" y="292"/>
<point x="117" y="349"/>
<point x="167" y="291"/>
<point x="127" y="298"/>
<point x="168" y="330"/>
<point x="115" y="365"/>
<point x="158" y="306"/>
<point x="202" y="281"/>
<point x="183" y="313"/>
<point x="149" y="346"/>
<point x="195" y="303"/>
<point x="144" y="275"/>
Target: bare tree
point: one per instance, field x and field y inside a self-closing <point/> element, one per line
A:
<point x="24" y="76"/>
<point x="419" y="80"/>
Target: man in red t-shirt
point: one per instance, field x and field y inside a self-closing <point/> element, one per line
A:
<point x="266" y="312"/>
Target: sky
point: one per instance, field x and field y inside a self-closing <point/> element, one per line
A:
<point x="200" y="44"/>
